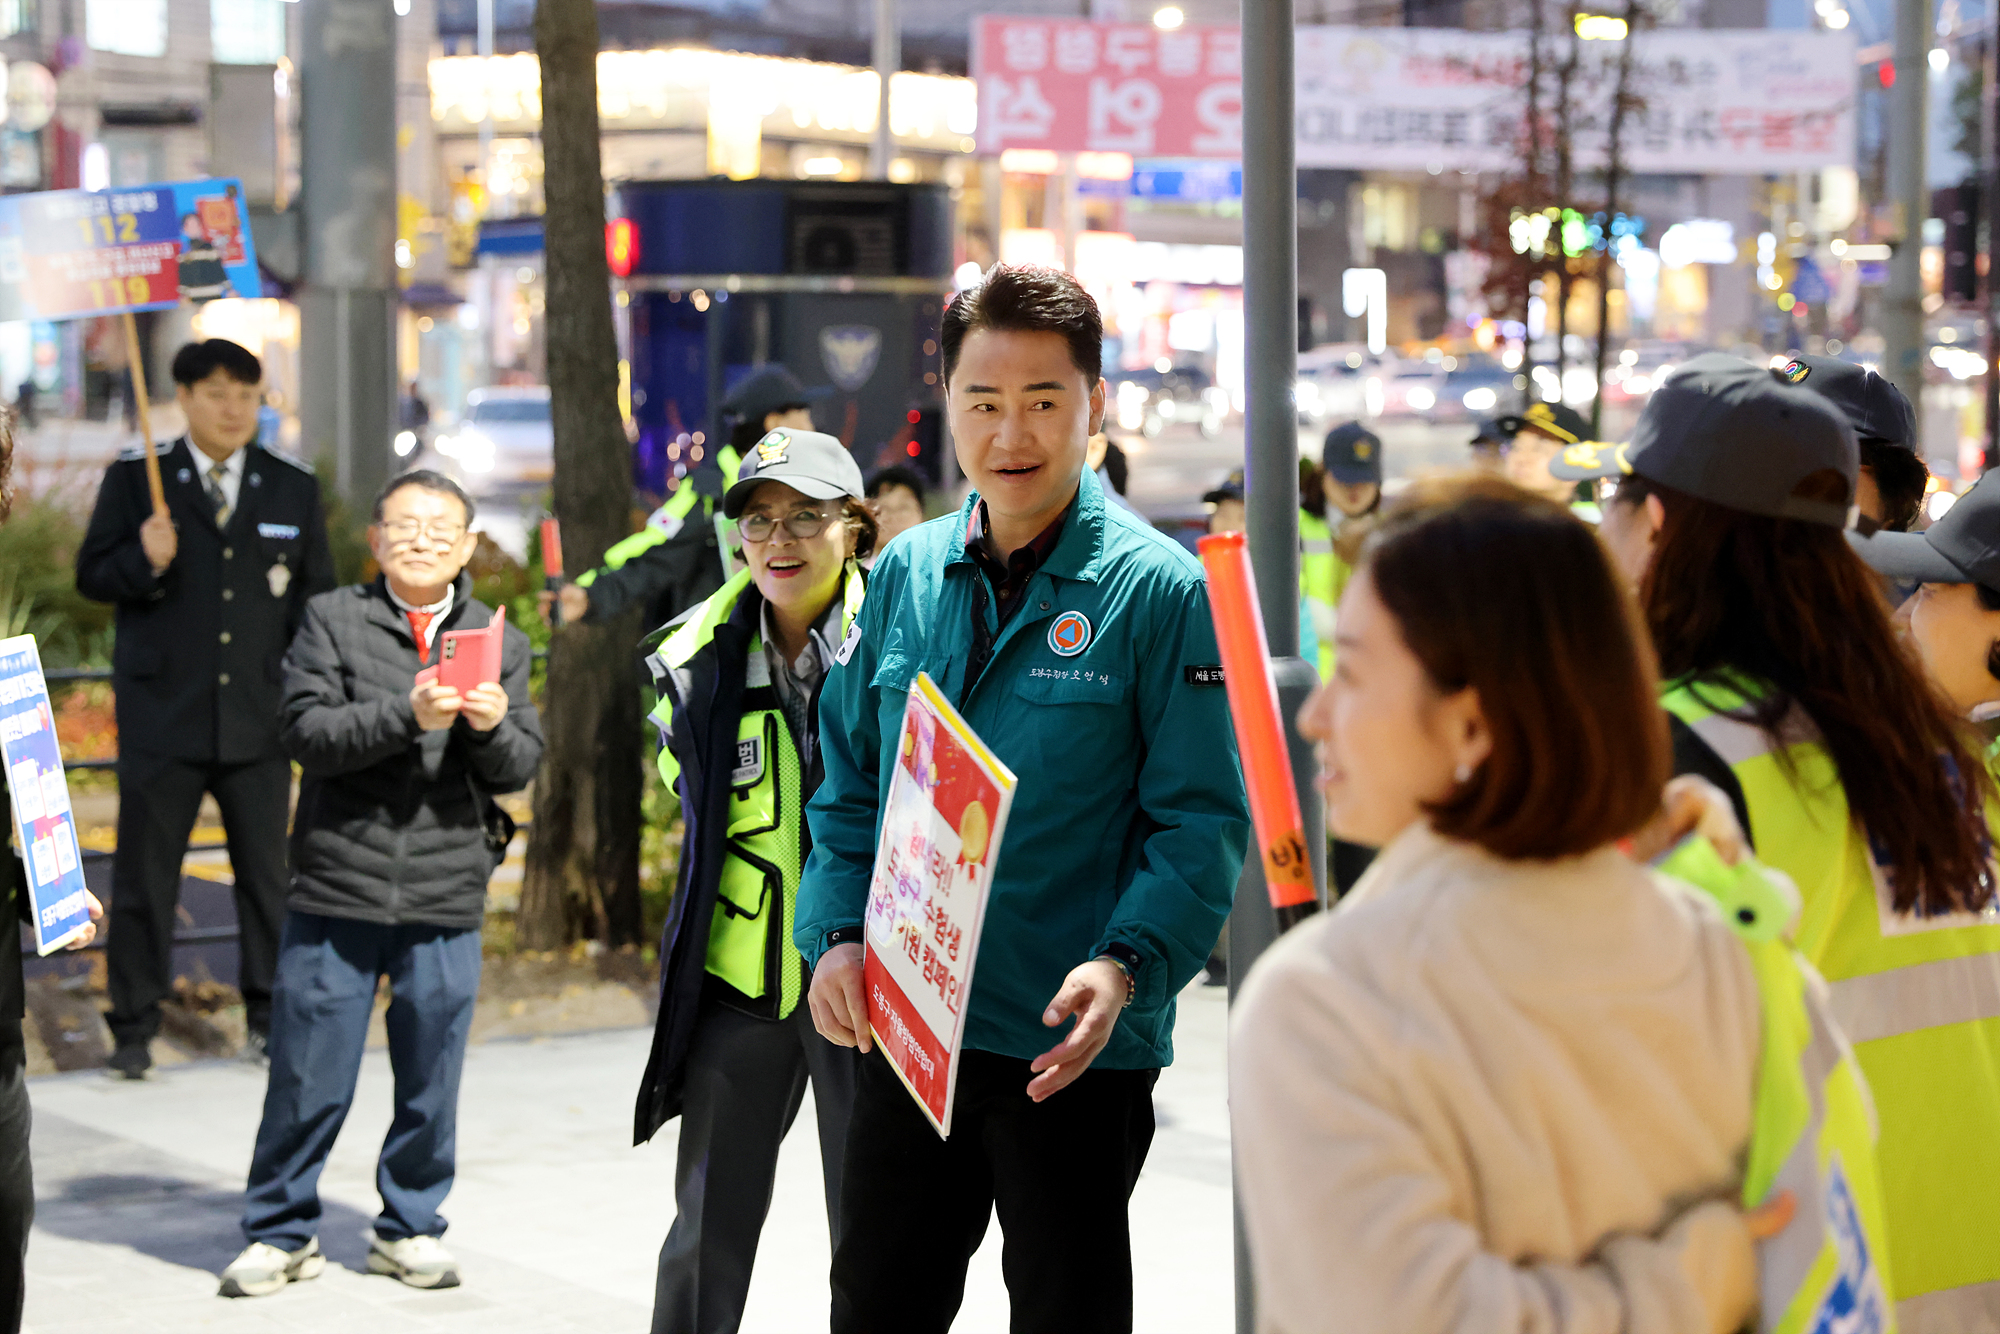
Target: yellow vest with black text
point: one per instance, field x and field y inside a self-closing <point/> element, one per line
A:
<point x="750" y="937"/>
<point x="1918" y="998"/>
<point x="1323" y="577"/>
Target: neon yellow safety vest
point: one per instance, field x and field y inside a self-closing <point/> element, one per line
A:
<point x="663" y="523"/>
<point x="750" y="937"/>
<point x="1919" y="999"/>
<point x="1323" y="577"/>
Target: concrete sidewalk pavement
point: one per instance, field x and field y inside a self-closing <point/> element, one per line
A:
<point x="556" y="1220"/>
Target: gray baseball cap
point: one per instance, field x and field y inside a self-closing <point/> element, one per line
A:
<point x="1961" y="548"/>
<point x="1735" y="434"/>
<point x="812" y="464"/>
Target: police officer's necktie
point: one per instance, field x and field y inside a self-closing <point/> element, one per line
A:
<point x="217" y="496"/>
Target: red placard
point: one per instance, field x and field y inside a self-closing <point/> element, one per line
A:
<point x="941" y="837"/>
<point x="1072" y="87"/>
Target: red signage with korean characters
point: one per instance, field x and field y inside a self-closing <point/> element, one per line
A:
<point x="1076" y="87"/>
<point x="941" y="833"/>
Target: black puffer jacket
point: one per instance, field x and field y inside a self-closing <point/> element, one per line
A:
<point x="393" y="821"/>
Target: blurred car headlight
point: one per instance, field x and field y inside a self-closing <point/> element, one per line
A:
<point x="1307" y="395"/>
<point x="1481" y="399"/>
<point x="475" y="452"/>
<point x="405" y="442"/>
<point x="446" y="445"/>
<point x="1420" y="399"/>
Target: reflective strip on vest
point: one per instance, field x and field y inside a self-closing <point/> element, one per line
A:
<point x="1318" y="546"/>
<point x="1972" y="1309"/>
<point x="1903" y="1000"/>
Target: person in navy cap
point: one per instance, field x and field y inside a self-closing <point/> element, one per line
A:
<point x="1893" y="476"/>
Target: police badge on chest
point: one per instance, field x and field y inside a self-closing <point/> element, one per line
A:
<point x="280" y="577"/>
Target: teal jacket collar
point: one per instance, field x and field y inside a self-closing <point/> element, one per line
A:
<point x="1078" y="555"/>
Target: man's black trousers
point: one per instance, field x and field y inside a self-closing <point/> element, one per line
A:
<point x="1059" y="1173"/>
<point x="158" y="800"/>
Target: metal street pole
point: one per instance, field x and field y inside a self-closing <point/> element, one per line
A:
<point x="1271" y="462"/>
<point x="486" y="114"/>
<point x="1903" y="310"/>
<point x="888" y="59"/>
<point x="1989" y="226"/>
<point x="348" y="198"/>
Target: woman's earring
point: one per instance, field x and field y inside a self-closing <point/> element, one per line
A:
<point x="1463" y="774"/>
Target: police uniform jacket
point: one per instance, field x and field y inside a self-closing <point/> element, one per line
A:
<point x="199" y="646"/>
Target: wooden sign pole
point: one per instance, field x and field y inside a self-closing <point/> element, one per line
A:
<point x="138" y="369"/>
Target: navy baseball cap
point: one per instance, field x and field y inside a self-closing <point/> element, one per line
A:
<point x="1875" y="408"/>
<point x="1231" y="488"/>
<point x="768" y="389"/>
<point x="1559" y="421"/>
<point x="1352" y="455"/>
<point x="1735" y="434"/>
<point x="1961" y="548"/>
<point x="812" y="464"/>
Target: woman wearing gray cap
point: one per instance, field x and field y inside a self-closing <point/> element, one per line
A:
<point x="1788" y="687"/>
<point x="734" y="1046"/>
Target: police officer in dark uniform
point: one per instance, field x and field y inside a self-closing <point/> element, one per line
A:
<point x="208" y="598"/>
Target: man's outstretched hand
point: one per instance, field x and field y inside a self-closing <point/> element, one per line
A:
<point x="1094" y="992"/>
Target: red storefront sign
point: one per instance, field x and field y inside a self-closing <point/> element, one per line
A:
<point x="1073" y="87"/>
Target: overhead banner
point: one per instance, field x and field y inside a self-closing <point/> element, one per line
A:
<point x="1710" y="101"/>
<point x="70" y="253"/>
<point x="1075" y="86"/>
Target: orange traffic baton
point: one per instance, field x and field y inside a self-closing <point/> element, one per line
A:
<point x="1260" y="733"/>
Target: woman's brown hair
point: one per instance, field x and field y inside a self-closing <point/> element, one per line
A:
<point x="1788" y="603"/>
<point x="1504" y="592"/>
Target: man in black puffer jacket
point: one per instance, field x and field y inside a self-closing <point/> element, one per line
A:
<point x="395" y="838"/>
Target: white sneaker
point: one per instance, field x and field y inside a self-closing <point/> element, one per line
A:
<point x="421" y="1262"/>
<point x="263" y="1268"/>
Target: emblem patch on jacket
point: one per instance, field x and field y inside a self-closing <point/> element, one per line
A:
<point x="1069" y="635"/>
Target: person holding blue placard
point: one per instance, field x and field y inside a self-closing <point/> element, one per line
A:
<point x="17" y="1184"/>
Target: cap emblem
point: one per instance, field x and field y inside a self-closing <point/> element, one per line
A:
<point x="1588" y="456"/>
<point x="772" y="448"/>
<point x="1363" y="450"/>
<point x="1796" y="371"/>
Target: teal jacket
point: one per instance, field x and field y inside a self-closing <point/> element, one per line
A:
<point x="1129" y="823"/>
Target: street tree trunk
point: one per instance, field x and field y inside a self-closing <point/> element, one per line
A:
<point x="1532" y="201"/>
<point x="583" y="852"/>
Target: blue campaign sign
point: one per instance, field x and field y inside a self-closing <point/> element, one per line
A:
<point x="71" y="253"/>
<point x="40" y="797"/>
<point x="1191" y="179"/>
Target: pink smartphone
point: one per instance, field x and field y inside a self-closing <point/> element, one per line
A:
<point x="469" y="658"/>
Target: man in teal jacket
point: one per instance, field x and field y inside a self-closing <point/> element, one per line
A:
<point x="1076" y="641"/>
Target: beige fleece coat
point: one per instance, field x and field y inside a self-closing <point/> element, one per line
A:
<point x="1487" y="1096"/>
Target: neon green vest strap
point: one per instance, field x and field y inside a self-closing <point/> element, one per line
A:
<point x="1813" y="1135"/>
<point x="681" y="503"/>
<point x="1322" y="577"/>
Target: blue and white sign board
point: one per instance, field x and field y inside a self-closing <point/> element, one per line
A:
<point x="42" y="819"/>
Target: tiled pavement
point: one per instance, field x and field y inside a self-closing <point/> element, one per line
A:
<point x="555" y="1218"/>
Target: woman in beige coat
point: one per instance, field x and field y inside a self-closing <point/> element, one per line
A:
<point x="1507" y="1086"/>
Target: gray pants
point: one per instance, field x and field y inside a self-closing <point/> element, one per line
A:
<point x="745" y="1080"/>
